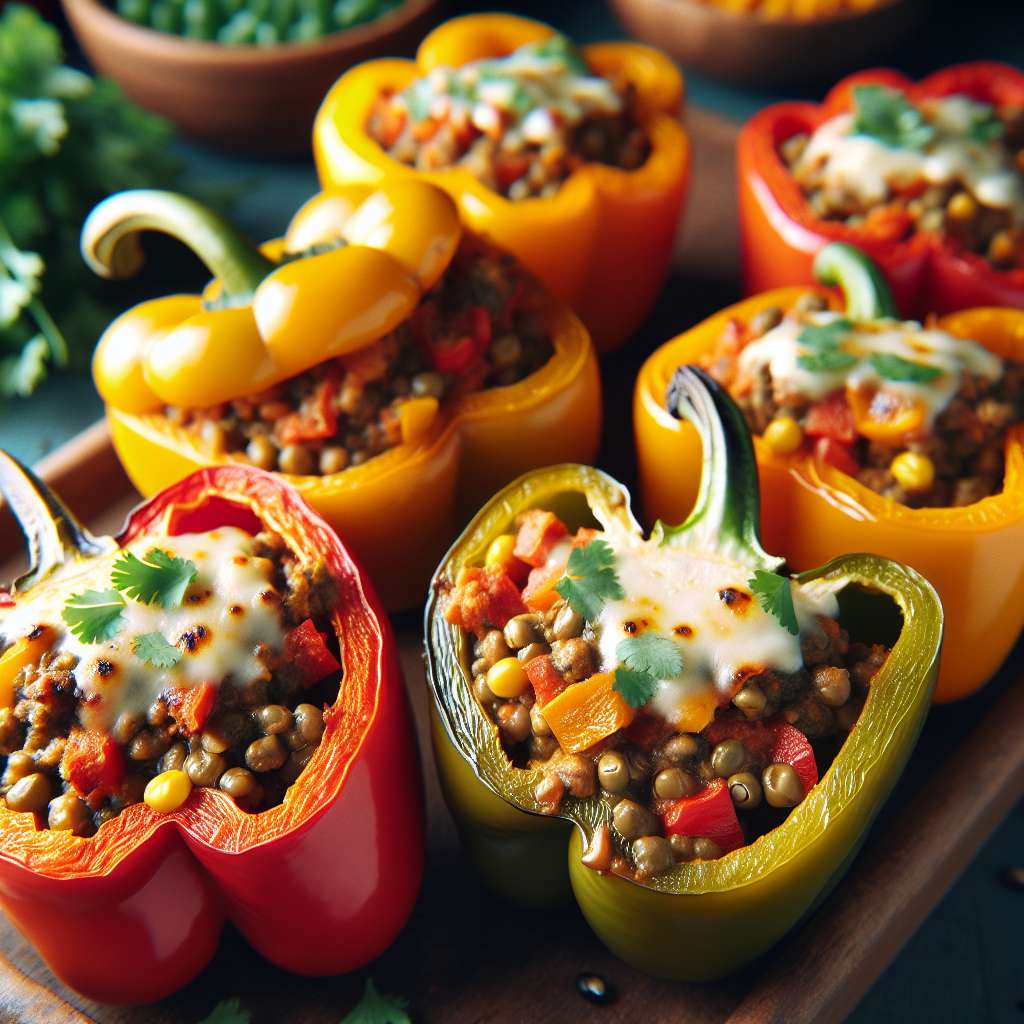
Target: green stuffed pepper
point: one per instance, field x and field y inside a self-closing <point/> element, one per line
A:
<point x="641" y="722"/>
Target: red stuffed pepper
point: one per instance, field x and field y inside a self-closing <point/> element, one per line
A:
<point x="202" y="719"/>
<point x="927" y="178"/>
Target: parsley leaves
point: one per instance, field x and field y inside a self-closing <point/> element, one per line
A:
<point x="590" y="579"/>
<point x="94" y="615"/>
<point x="827" y="360"/>
<point x="155" y="650"/>
<point x="985" y="126"/>
<point x="824" y="340"/>
<point x="156" y="577"/>
<point x="893" y="367"/>
<point x="776" y="597"/>
<point x="378" y="1008"/>
<point x="645" y="659"/>
<point x="886" y="115"/>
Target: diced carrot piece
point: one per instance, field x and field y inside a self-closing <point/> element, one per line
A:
<point x="539" y="594"/>
<point x="483" y="598"/>
<point x="539" y="531"/>
<point x="587" y="712"/>
<point x="546" y="680"/>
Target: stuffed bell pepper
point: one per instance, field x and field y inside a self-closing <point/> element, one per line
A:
<point x="927" y="178"/>
<point x="573" y="159"/>
<point x="872" y="434"/>
<point x="703" y="737"/>
<point x="395" y="368"/>
<point x="200" y="720"/>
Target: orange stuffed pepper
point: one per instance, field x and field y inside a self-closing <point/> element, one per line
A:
<point x="573" y="159"/>
<point x="872" y="434"/>
<point x="394" y="368"/>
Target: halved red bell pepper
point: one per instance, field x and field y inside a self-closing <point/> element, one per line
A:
<point x="928" y="273"/>
<point x="135" y="911"/>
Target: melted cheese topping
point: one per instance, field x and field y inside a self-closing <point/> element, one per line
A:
<point x="722" y="639"/>
<point x="232" y="598"/>
<point x="865" y="168"/>
<point x="780" y="349"/>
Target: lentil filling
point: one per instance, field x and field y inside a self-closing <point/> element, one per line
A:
<point x="92" y="718"/>
<point x="681" y="702"/>
<point x="478" y="327"/>
<point x="520" y="124"/>
<point x="912" y="413"/>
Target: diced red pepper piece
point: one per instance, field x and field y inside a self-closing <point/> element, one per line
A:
<point x="483" y="598"/>
<point x="454" y="356"/>
<point x="832" y="417"/>
<point x="836" y="454"/>
<point x="792" y="747"/>
<point x="192" y="706"/>
<point x="546" y="680"/>
<point x="539" y="531"/>
<point x="481" y="321"/>
<point x="306" y="648"/>
<point x="315" y="420"/>
<point x="710" y="813"/>
<point x="93" y="764"/>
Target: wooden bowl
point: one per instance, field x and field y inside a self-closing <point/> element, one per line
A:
<point x="258" y="100"/>
<point x="749" y="49"/>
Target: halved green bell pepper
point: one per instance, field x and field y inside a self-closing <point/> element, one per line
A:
<point x="703" y="919"/>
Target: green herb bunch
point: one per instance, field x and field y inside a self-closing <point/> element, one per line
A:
<point x="66" y="142"/>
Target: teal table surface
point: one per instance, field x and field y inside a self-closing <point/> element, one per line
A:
<point x="966" y="963"/>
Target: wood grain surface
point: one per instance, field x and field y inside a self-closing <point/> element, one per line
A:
<point x="465" y="956"/>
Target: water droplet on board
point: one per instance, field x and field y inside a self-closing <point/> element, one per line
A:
<point x="1012" y="878"/>
<point x="595" y="989"/>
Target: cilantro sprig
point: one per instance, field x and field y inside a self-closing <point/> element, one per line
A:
<point x="775" y="595"/>
<point x="985" y="125"/>
<point x="828" y="360"/>
<point x="94" y="615"/>
<point x="824" y="340"/>
<point x="645" y="659"/>
<point x="886" y="115"/>
<point x="154" y="649"/>
<point x="228" y="1011"/>
<point x="377" y="1007"/>
<point x="590" y="579"/>
<point x="893" y="367"/>
<point x="156" y="578"/>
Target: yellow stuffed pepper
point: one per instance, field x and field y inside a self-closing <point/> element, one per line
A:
<point x="396" y="368"/>
<point x="922" y="463"/>
<point x="574" y="160"/>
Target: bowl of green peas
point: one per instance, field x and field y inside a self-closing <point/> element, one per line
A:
<point x="245" y="76"/>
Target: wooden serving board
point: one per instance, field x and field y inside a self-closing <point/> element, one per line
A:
<point x="467" y="957"/>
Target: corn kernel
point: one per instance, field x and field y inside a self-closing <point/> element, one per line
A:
<point x="1001" y="248"/>
<point x="167" y="791"/>
<point x="961" y="206"/>
<point x="500" y="551"/>
<point x="914" y="472"/>
<point x="783" y="435"/>
<point x="506" y="678"/>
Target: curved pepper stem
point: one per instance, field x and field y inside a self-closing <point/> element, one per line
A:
<point x="54" y="536"/>
<point x="863" y="285"/>
<point x="726" y="514"/>
<point x="110" y="243"/>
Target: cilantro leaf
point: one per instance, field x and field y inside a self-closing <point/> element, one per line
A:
<point x="228" y="1011"/>
<point x="154" y="649"/>
<point x="94" y="615"/>
<point x="776" y="597"/>
<point x="649" y="652"/>
<point x="886" y="115"/>
<point x="825" y="335"/>
<point x="828" y="359"/>
<point x="635" y="687"/>
<point x="157" y="577"/>
<point x="590" y="579"/>
<point x="893" y="367"/>
<point x="378" y="1008"/>
<point x="985" y="126"/>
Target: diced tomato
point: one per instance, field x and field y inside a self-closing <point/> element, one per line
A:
<point x="539" y="594"/>
<point x="792" y="747"/>
<point x="454" y="356"/>
<point x="755" y="736"/>
<point x="509" y="167"/>
<point x="889" y="223"/>
<point x="772" y="742"/>
<point x="316" y="418"/>
<point x="539" y="531"/>
<point x="836" y="454"/>
<point x="93" y="764"/>
<point x="832" y="417"/>
<point x="192" y="706"/>
<point x="647" y="731"/>
<point x="480" y="320"/>
<point x="710" y="813"/>
<point x="306" y="647"/>
<point x="483" y="598"/>
<point x="546" y="680"/>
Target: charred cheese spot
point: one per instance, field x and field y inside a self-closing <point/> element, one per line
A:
<point x="236" y="610"/>
<point x="240" y="560"/>
<point x="37" y="631"/>
<point x="735" y="600"/>
<point x="192" y="639"/>
<point x="105" y="669"/>
<point x="270" y="597"/>
<point x="682" y="630"/>
<point x="198" y="597"/>
<point x="630" y="627"/>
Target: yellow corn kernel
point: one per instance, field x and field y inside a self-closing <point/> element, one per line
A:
<point x="506" y="678"/>
<point x="914" y="472"/>
<point x="500" y="550"/>
<point x="783" y="435"/>
<point x="167" y="791"/>
<point x="1001" y="248"/>
<point x="961" y="206"/>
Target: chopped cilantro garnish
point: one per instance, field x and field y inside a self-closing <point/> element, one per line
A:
<point x="590" y="579"/>
<point x="154" y="649"/>
<point x="775" y="594"/>
<point x="645" y="659"/>
<point x="886" y="115"/>
<point x="985" y="126"/>
<point x="94" y="615"/>
<point x="378" y="1008"/>
<point x="829" y="359"/>
<point x="893" y="367"/>
<point x="157" y="577"/>
<point x="828" y="335"/>
<point x="228" y="1011"/>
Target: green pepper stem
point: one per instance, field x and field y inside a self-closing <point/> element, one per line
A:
<point x="52" y="533"/>
<point x="110" y="243"/>
<point x="867" y="293"/>
<point x="726" y="515"/>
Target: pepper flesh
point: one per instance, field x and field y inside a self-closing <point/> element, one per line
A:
<point x="750" y="897"/>
<point x="780" y="235"/>
<point x="135" y="912"/>
<point x="813" y="510"/>
<point x="604" y="241"/>
<point x="399" y="510"/>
